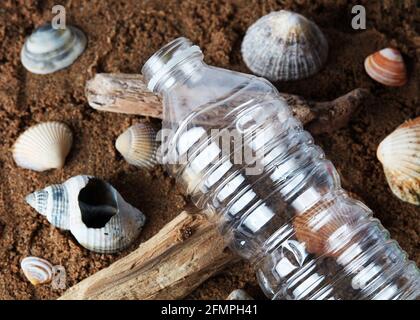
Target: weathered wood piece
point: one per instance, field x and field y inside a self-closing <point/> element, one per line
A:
<point x="127" y="93"/>
<point x="170" y="265"/>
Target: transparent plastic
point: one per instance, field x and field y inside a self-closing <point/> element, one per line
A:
<point x="283" y="208"/>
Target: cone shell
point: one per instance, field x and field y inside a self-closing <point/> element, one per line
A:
<point x="284" y="45"/>
<point x="399" y="154"/>
<point x="138" y="145"/>
<point x="387" y="67"/>
<point x="37" y="271"/>
<point x="324" y="229"/>
<point x="48" y="50"/>
<point x="44" y="146"/>
<point x="92" y="210"/>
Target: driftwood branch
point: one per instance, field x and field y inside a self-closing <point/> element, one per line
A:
<point x="170" y="265"/>
<point x="127" y="93"/>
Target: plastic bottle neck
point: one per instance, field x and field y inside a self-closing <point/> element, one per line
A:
<point x="172" y="63"/>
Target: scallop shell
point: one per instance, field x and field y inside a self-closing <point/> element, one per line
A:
<point x="44" y="146"/>
<point x="138" y="145"/>
<point x="324" y="229"/>
<point x="284" y="45"/>
<point x="92" y="210"/>
<point x="37" y="271"/>
<point x="48" y="49"/>
<point x="399" y="154"/>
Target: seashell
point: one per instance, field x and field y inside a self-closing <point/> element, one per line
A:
<point x="324" y="229"/>
<point x="399" y="154"/>
<point x="48" y="49"/>
<point x="138" y="145"/>
<point x="44" y="146"/>
<point x="37" y="271"/>
<point x="387" y="67"/>
<point x="284" y="45"/>
<point x="239" y="294"/>
<point x="93" y="211"/>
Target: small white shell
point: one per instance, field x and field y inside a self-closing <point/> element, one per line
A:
<point x="92" y="210"/>
<point x="138" y="145"/>
<point x="239" y="294"/>
<point x="44" y="146"/>
<point x="48" y="50"/>
<point x="37" y="271"/>
<point x="284" y="45"/>
<point x="399" y="154"/>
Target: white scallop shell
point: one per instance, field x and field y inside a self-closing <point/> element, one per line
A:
<point x="138" y="145"/>
<point x="48" y="49"/>
<point x="37" y="271"/>
<point x="92" y="210"/>
<point x="399" y="154"/>
<point x="284" y="45"/>
<point x="44" y="146"/>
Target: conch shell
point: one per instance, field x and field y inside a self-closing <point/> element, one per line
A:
<point x="92" y="210"/>
<point x="399" y="154"/>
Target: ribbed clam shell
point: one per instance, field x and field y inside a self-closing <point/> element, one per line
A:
<point x="37" y="271"/>
<point x="92" y="210"/>
<point x="387" y="67"/>
<point x="239" y="294"/>
<point x="323" y="228"/>
<point x="52" y="202"/>
<point x="44" y="146"/>
<point x="138" y="145"/>
<point x="284" y="45"/>
<point x="399" y="154"/>
<point x="48" y="50"/>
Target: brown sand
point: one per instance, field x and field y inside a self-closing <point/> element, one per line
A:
<point x="122" y="35"/>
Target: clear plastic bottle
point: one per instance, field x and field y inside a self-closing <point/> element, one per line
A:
<point x="284" y="209"/>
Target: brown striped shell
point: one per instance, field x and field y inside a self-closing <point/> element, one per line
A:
<point x="37" y="271"/>
<point x="387" y="67"/>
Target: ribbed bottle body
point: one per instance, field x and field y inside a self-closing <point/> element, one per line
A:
<point x="278" y="202"/>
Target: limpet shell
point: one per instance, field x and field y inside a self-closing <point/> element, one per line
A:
<point x="44" y="146"/>
<point x="48" y="49"/>
<point x="93" y="211"/>
<point x="387" y="67"/>
<point x="399" y="154"/>
<point x="325" y="227"/>
<point x="37" y="271"/>
<point x="138" y="145"/>
<point x="284" y="45"/>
